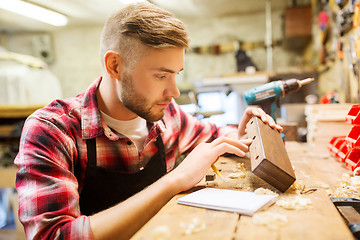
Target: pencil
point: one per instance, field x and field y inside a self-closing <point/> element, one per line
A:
<point x="216" y="171"/>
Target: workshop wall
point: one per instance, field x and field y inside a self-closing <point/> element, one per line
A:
<point x="76" y="60"/>
<point x="245" y="28"/>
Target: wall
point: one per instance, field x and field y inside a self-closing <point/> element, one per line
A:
<point x="75" y="52"/>
<point x="247" y="28"/>
<point x="76" y="58"/>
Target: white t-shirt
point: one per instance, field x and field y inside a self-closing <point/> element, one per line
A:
<point x="135" y="129"/>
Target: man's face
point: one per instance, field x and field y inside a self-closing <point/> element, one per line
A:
<point x="149" y="87"/>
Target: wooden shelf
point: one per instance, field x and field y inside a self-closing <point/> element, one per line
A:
<point x="17" y="111"/>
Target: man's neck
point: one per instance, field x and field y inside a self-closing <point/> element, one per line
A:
<point x="109" y="102"/>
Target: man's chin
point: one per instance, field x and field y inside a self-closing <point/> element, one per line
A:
<point x="151" y="117"/>
<point x="155" y="118"/>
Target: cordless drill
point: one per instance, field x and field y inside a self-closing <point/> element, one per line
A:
<point x="267" y="96"/>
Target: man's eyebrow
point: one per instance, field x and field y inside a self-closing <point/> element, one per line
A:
<point x="169" y="70"/>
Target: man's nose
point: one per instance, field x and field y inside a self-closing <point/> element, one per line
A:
<point x="173" y="90"/>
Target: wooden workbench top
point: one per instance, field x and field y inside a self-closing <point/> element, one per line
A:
<point x="314" y="168"/>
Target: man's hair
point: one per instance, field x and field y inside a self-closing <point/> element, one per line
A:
<point x="142" y="23"/>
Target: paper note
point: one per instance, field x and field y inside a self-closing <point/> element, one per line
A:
<point x="246" y="203"/>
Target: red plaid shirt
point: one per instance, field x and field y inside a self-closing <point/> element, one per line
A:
<point x="52" y="159"/>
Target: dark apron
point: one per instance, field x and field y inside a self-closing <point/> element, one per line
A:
<point x="105" y="188"/>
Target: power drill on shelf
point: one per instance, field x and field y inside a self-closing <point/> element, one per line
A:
<point x="268" y="96"/>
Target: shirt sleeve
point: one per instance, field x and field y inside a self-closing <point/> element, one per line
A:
<point x="193" y="131"/>
<point x="46" y="184"/>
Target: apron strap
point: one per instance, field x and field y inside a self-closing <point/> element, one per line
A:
<point x="91" y="151"/>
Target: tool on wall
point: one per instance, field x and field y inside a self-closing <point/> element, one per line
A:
<point x="268" y="96"/>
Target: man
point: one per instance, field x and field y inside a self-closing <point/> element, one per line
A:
<point x="100" y="165"/>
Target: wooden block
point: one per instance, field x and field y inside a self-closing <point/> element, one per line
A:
<point x="210" y="177"/>
<point x="269" y="159"/>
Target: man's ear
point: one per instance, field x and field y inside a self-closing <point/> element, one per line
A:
<point x="113" y="64"/>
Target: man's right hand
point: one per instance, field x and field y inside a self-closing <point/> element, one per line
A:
<point x="194" y="167"/>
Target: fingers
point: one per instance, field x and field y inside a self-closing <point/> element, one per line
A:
<point x="264" y="117"/>
<point x="228" y="148"/>
<point x="241" y="144"/>
<point x="229" y="145"/>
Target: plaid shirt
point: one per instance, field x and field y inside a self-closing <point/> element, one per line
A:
<point x="52" y="159"/>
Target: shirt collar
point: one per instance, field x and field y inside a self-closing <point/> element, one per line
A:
<point x="91" y="126"/>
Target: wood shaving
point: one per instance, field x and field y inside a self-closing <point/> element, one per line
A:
<point x="347" y="187"/>
<point x="194" y="226"/>
<point x="237" y="175"/>
<point x="264" y="191"/>
<point x="274" y="221"/>
<point x="297" y="185"/>
<point x="161" y="233"/>
<point x="295" y="203"/>
<point x="212" y="184"/>
<point x="241" y="167"/>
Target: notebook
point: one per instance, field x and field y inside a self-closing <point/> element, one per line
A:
<point x="246" y="203"/>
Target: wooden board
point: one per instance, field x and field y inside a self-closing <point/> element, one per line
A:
<point x="8" y="176"/>
<point x="17" y="111"/>
<point x="315" y="169"/>
<point x="269" y="159"/>
<point x="177" y="220"/>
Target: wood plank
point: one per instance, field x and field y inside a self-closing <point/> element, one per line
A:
<point x="315" y="168"/>
<point x="8" y="176"/>
<point x="322" y="221"/>
<point x="177" y="219"/>
<point x="17" y="111"/>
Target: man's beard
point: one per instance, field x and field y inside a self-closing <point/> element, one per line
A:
<point x="137" y="103"/>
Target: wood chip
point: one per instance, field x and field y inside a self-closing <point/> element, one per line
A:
<point x="274" y="221"/>
<point x="264" y="191"/>
<point x="194" y="226"/>
<point x="295" y="203"/>
<point x="161" y="232"/>
<point x="237" y="175"/>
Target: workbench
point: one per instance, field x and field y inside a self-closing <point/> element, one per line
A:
<point x="314" y="169"/>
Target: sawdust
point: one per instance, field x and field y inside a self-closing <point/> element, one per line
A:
<point x="264" y="191"/>
<point x="161" y="232"/>
<point x="274" y="221"/>
<point x="347" y="187"/>
<point x="212" y="184"/>
<point x="237" y="175"/>
<point x="194" y="226"/>
<point x="297" y="185"/>
<point x="295" y="203"/>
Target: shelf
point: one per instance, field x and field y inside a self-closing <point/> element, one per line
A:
<point x="17" y="111"/>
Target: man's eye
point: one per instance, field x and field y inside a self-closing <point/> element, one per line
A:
<point x="162" y="77"/>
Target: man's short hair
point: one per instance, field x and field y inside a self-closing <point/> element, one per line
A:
<point x="142" y="23"/>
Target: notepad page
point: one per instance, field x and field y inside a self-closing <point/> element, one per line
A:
<point x="228" y="200"/>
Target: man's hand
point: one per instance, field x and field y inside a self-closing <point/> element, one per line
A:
<point x="194" y="167"/>
<point x="249" y="113"/>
